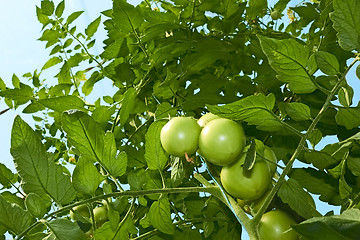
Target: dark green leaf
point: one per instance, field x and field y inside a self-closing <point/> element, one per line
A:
<point x="298" y="199"/>
<point x="127" y="105"/>
<point x="92" y="28"/>
<point x="63" y="229"/>
<point x="348" y="117"/>
<point x="177" y="171"/>
<point x="37" y="168"/>
<point x="257" y="8"/>
<point x="318" y="182"/>
<point x="13" y="217"/>
<point x="321" y="160"/>
<point x="358" y="71"/>
<point x="256" y="110"/>
<point x="353" y="164"/>
<point x="6" y="176"/>
<point x="60" y="9"/>
<point x="126" y="17"/>
<point x="155" y="155"/>
<point x="345" y="95"/>
<point x="345" y="226"/>
<point x="327" y="62"/>
<point x="73" y="16"/>
<point x="289" y="59"/>
<point x="346" y="18"/>
<point x="165" y="110"/>
<point x="86" y="178"/>
<point x="315" y="137"/>
<point x="106" y="232"/>
<point x="250" y="156"/>
<point x="160" y="216"/>
<point x="63" y="103"/>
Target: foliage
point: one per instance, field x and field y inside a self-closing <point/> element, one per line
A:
<point x="284" y="80"/>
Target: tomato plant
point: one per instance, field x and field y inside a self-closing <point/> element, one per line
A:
<point x="221" y="141"/>
<point x="180" y="135"/>
<point x="247" y="185"/>
<point x="275" y="225"/>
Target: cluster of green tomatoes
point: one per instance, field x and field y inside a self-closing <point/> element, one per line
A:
<point x="222" y="142"/>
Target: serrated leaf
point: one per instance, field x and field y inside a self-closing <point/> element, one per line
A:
<point x="345" y="226"/>
<point x="47" y="7"/>
<point x="42" y="18"/>
<point x="315" y="137"/>
<point x="353" y="164"/>
<point x="160" y="216"/>
<point x="250" y="156"/>
<point x="89" y="84"/>
<point x="346" y="18"/>
<point x="327" y="62"/>
<point x="289" y="59"/>
<point x="92" y="27"/>
<point x="64" y="229"/>
<point x="36" y="205"/>
<point x="20" y="94"/>
<point x="89" y="139"/>
<point x="165" y="110"/>
<point x="155" y="155"/>
<point x="348" y="117"/>
<point x="86" y="178"/>
<point x="300" y="201"/>
<point x="321" y="160"/>
<point x="126" y="16"/>
<point x="298" y="111"/>
<point x="257" y="8"/>
<point x="256" y="110"/>
<point x="14" y="218"/>
<point x="7" y="177"/>
<point x="106" y="232"/>
<point x="63" y="103"/>
<point x="318" y="182"/>
<point x="60" y="9"/>
<point x="37" y="168"/>
<point x="64" y="76"/>
<point x="73" y="16"/>
<point x="127" y="105"/>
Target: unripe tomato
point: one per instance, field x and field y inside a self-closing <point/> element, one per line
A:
<point x="275" y="14"/>
<point x="82" y="210"/>
<point x="100" y="216"/>
<point x="221" y="141"/>
<point x="275" y="225"/>
<point x="180" y="135"/>
<point x="206" y="118"/>
<point x="248" y="185"/>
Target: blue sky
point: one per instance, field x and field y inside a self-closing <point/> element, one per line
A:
<point x="20" y="53"/>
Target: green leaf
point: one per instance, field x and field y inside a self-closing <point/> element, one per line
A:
<point x="321" y="160"/>
<point x="92" y="28"/>
<point x="87" y="136"/>
<point x="250" y="156"/>
<point x="86" y="178"/>
<point x="106" y="232"/>
<point x="64" y="229"/>
<point x="346" y="18"/>
<point x="289" y="59"/>
<point x="155" y="155"/>
<point x="64" y="76"/>
<point x="281" y="5"/>
<point x="63" y="103"/>
<point x="298" y="111"/>
<point x="327" y="63"/>
<point x="6" y="176"/>
<point x="358" y="71"/>
<point x="345" y="226"/>
<point x="89" y="84"/>
<point x="21" y="94"/>
<point x="42" y="18"/>
<point x="47" y="7"/>
<point x="345" y="95"/>
<point x="60" y="9"/>
<point x="52" y="62"/>
<point x="348" y="117"/>
<point x="257" y="8"/>
<point x="2" y="85"/>
<point x="298" y="199"/>
<point x="353" y="164"/>
<point x="37" y="168"/>
<point x="127" y="105"/>
<point x="36" y="205"/>
<point x="315" y="137"/>
<point x="256" y="110"/>
<point x="160" y="216"/>
<point x="318" y="182"/>
<point x="165" y="110"/>
<point x="177" y="171"/>
<point x="15" y="81"/>
<point x="126" y="17"/>
<point x="73" y="16"/>
<point x="14" y="218"/>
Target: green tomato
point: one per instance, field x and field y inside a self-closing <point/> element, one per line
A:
<point x="100" y="216"/>
<point x="275" y="14"/>
<point x="221" y="141"/>
<point x="248" y="185"/>
<point x="205" y="119"/>
<point x="180" y="135"/>
<point x="79" y="211"/>
<point x="275" y="225"/>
